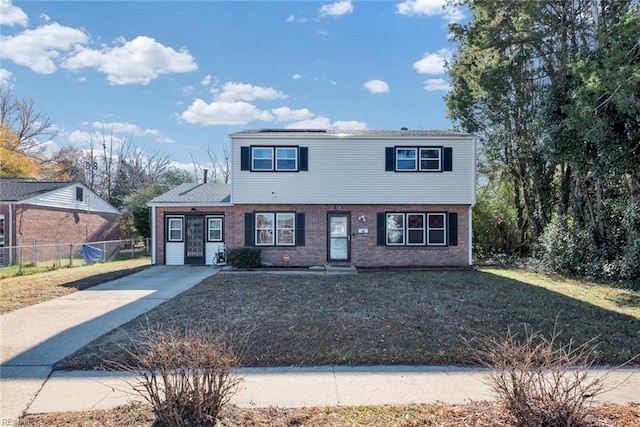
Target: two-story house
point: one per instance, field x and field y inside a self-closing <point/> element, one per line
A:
<point x="313" y="197"/>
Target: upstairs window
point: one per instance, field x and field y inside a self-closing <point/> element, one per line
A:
<point x="418" y="159"/>
<point x="262" y="159"/>
<point x="274" y="158"/>
<point x="286" y="159"/>
<point x="430" y="159"/>
<point x="79" y="194"/>
<point x="406" y="159"/>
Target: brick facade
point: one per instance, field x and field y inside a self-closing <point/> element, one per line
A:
<point x="45" y="224"/>
<point x="365" y="252"/>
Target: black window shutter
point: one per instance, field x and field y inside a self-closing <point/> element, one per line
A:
<point x="447" y="164"/>
<point x="300" y="229"/>
<point x="304" y="159"/>
<point x="453" y="229"/>
<point x="248" y="229"/>
<point x="389" y="158"/>
<point x="381" y="237"/>
<point x="245" y="158"/>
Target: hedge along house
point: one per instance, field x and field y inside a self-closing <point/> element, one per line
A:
<point x="312" y="197"/>
<point x="47" y="212"/>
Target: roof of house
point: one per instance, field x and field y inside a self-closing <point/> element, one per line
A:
<point x="359" y="133"/>
<point x="207" y="193"/>
<point x="18" y="189"/>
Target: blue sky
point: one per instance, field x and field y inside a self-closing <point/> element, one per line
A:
<point x="179" y="76"/>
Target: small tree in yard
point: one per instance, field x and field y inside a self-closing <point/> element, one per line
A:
<point x="540" y="381"/>
<point x="186" y="375"/>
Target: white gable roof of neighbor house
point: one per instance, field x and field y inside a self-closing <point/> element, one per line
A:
<point x="60" y="195"/>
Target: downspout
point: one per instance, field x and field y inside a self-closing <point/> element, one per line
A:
<point x="10" y="234"/>
<point x="153" y="235"/>
<point x="470" y="236"/>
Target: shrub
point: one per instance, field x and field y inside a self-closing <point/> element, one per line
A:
<point x="186" y="376"/>
<point x="245" y="257"/>
<point x="540" y="381"/>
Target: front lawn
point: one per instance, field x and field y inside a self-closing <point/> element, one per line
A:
<point x="386" y="317"/>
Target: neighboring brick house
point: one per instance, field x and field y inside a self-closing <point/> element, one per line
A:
<point x="66" y="212"/>
<point x="363" y="198"/>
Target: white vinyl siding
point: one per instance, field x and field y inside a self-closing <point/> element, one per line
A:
<point x="67" y="198"/>
<point x="174" y="253"/>
<point x="351" y="170"/>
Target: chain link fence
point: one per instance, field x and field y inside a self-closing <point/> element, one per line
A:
<point x="60" y="254"/>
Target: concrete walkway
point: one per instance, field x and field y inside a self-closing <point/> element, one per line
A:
<point x="36" y="337"/>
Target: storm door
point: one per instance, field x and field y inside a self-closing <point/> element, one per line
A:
<point x="339" y="239"/>
<point x="194" y="240"/>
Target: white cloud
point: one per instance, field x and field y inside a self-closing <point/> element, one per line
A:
<point x="80" y="137"/>
<point x="377" y="86"/>
<point x="315" y="123"/>
<point x="140" y="60"/>
<point x="349" y="125"/>
<point x="5" y="76"/>
<point x="433" y="85"/>
<point x="430" y="7"/>
<point x="297" y="76"/>
<point x="12" y="15"/>
<point x="206" y="81"/>
<point x="286" y="114"/>
<point x="126" y="128"/>
<point x="37" y="49"/>
<point x="338" y="8"/>
<point x="188" y="90"/>
<point x="232" y="91"/>
<point x="433" y="63"/>
<point x="292" y="18"/>
<point x="325" y="123"/>
<point x="44" y="17"/>
<point x="223" y="113"/>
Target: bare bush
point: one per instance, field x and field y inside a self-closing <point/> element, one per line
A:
<point x="541" y="381"/>
<point x="186" y="375"/>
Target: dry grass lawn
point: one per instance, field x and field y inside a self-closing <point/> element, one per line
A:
<point x="377" y="317"/>
<point x="479" y="414"/>
<point x="385" y="317"/>
<point x="22" y="291"/>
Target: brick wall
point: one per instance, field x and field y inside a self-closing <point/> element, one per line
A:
<point x="364" y="249"/>
<point x="49" y="224"/>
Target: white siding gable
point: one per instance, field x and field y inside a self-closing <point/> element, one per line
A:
<point x="65" y="198"/>
<point x="351" y="169"/>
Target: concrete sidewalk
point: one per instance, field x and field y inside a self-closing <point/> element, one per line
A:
<point x="36" y="337"/>
<point x="322" y="386"/>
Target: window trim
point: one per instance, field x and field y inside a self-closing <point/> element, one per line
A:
<point x="274" y="149"/>
<point x="402" y="232"/>
<point x="170" y="219"/>
<point x="417" y="149"/>
<point x="439" y="150"/>
<point x="423" y="228"/>
<point x="274" y="230"/>
<point x="210" y="219"/>
<point x="295" y="158"/>
<point x="443" y="229"/>
<point x="405" y="229"/>
<point x="254" y="158"/>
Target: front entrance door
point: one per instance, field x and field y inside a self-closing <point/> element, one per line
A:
<point x="339" y="237"/>
<point x="194" y="240"/>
